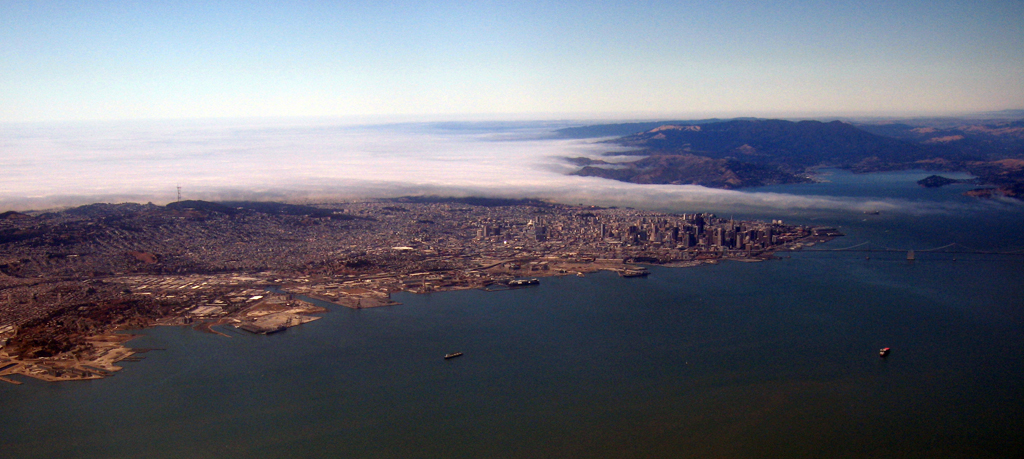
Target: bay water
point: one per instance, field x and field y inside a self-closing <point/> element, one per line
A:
<point x="770" y="359"/>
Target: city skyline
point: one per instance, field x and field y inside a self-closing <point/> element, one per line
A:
<point x="446" y="60"/>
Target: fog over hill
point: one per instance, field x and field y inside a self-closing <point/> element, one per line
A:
<point x="754" y="152"/>
<point x="50" y="165"/>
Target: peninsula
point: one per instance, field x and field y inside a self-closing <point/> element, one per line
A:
<point x="72" y="280"/>
<point x="750" y="152"/>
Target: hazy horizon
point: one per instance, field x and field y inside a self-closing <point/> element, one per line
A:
<point x="123" y="102"/>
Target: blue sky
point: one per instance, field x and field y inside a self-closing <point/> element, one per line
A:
<point x="484" y="59"/>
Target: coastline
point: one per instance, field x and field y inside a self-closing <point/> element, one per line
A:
<point x="121" y="266"/>
<point x="282" y="308"/>
<point x="109" y="349"/>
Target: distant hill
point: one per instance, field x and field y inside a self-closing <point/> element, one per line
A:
<point x="982" y="140"/>
<point x="101" y="210"/>
<point x="687" y="169"/>
<point x="754" y="152"/>
<point x="791" y="145"/>
<point x="12" y="215"/>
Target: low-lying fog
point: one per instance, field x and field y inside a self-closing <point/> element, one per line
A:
<point x="50" y="165"/>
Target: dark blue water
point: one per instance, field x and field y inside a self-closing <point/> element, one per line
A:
<point x="773" y="359"/>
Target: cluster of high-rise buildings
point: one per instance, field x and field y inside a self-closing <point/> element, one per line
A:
<point x="64" y="259"/>
<point x="628" y="230"/>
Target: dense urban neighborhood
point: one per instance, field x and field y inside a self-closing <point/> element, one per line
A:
<point x="70" y="279"/>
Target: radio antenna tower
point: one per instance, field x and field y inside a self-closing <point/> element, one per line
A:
<point x="179" y="193"/>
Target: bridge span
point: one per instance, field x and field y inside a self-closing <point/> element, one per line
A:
<point x="951" y="248"/>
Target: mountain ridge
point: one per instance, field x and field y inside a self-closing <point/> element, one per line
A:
<point x="748" y="152"/>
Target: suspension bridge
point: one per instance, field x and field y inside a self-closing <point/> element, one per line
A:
<point x="953" y="247"/>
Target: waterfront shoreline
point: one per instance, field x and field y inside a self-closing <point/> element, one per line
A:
<point x="131" y="266"/>
<point x="73" y="368"/>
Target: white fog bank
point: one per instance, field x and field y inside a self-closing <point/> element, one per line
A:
<point x="48" y="166"/>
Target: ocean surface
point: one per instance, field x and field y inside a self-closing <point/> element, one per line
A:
<point x="770" y="359"/>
